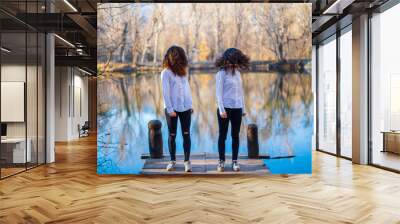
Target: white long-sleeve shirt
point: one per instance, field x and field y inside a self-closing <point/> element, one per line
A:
<point x="229" y="90"/>
<point x="176" y="92"/>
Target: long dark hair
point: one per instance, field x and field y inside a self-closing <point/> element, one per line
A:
<point x="175" y="59"/>
<point x="233" y="59"/>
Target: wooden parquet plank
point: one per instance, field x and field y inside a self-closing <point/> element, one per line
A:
<point x="70" y="191"/>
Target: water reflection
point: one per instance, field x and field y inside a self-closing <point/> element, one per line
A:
<point x="280" y="104"/>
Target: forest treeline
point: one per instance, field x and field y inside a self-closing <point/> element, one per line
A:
<point x="139" y="34"/>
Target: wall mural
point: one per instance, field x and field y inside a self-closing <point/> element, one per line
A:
<point x="183" y="76"/>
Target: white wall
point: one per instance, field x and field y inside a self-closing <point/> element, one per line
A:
<point x="61" y="103"/>
<point x="16" y="73"/>
<point x="33" y="126"/>
<point x="70" y="84"/>
<point x="11" y="73"/>
<point x="81" y="114"/>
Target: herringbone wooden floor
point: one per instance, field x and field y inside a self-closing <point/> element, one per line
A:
<point x="70" y="191"/>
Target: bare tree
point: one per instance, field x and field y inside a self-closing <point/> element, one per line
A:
<point x="111" y="31"/>
<point x="123" y="42"/>
<point x="239" y="19"/>
<point x="197" y="17"/>
<point x="219" y="29"/>
<point x="154" y="28"/>
<point x="135" y="27"/>
<point x="264" y="31"/>
<point x="159" y="26"/>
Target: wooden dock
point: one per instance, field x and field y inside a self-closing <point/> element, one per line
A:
<point x="205" y="163"/>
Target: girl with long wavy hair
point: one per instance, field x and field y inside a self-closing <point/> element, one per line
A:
<point x="177" y="102"/>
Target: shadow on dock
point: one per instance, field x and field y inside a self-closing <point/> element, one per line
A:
<point x="206" y="163"/>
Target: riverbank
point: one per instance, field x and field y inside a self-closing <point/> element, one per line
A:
<point x="255" y="66"/>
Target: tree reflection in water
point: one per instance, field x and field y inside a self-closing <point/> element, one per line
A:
<point x="279" y="103"/>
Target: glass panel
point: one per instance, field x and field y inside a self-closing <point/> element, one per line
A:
<point x="13" y="86"/>
<point x="17" y="8"/>
<point x="31" y="98"/>
<point x="32" y="87"/>
<point x="386" y="89"/>
<point x="22" y="88"/>
<point x="346" y="93"/>
<point x="41" y="99"/>
<point x="327" y="96"/>
<point x="77" y="109"/>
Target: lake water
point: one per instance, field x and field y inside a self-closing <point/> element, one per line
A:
<point x="279" y="103"/>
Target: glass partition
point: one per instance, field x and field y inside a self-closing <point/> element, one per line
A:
<point x="14" y="153"/>
<point x="22" y="88"/>
<point x="385" y="89"/>
<point x="41" y="97"/>
<point x="327" y="96"/>
<point x="346" y="93"/>
<point x="31" y="99"/>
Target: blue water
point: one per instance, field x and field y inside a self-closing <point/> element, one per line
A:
<point x="301" y="163"/>
<point x="280" y="104"/>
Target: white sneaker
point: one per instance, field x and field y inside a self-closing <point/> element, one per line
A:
<point x="188" y="167"/>
<point x="235" y="166"/>
<point x="171" y="166"/>
<point x="221" y="166"/>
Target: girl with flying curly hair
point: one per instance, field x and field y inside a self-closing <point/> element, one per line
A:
<point x="230" y="101"/>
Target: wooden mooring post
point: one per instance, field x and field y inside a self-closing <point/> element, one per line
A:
<point x="252" y="141"/>
<point x="155" y="139"/>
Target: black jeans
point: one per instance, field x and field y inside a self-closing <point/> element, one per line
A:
<point x="172" y="122"/>
<point x="235" y="118"/>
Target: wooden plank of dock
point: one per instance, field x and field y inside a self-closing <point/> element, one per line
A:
<point x="204" y="163"/>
